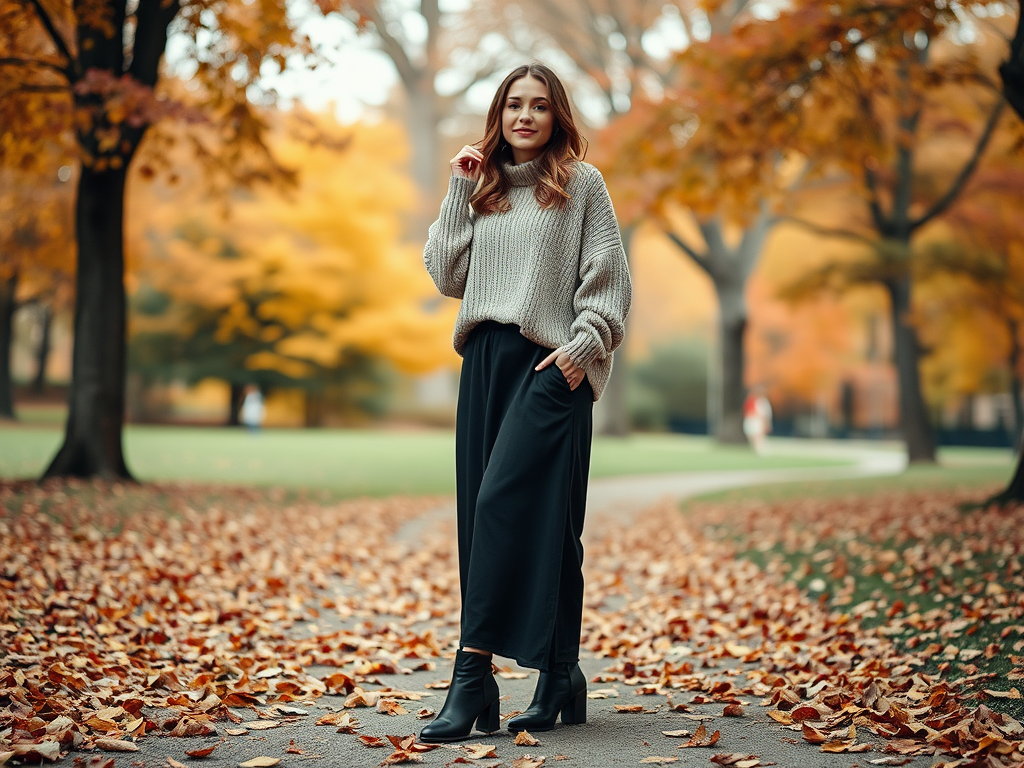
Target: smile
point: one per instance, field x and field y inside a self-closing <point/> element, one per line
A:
<point x="524" y="131"/>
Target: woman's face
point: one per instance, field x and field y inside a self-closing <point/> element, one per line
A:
<point x="526" y="119"/>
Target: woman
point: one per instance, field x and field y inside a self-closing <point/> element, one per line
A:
<point x="527" y="238"/>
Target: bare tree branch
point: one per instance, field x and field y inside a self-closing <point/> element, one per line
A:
<point x="394" y="49"/>
<point x="965" y="173"/>
<point x="699" y="259"/>
<point x="16" y="62"/>
<point x="826" y="231"/>
<point x="71" y="69"/>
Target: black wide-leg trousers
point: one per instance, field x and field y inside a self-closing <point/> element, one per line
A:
<point x="522" y="451"/>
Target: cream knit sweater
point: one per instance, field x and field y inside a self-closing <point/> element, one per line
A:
<point x="560" y="275"/>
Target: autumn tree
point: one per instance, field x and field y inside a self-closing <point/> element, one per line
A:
<point x="311" y="288"/>
<point x="36" y="257"/>
<point x="857" y="89"/>
<point x="1012" y="73"/>
<point x="97" y="66"/>
<point x="664" y="164"/>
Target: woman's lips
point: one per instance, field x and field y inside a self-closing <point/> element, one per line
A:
<point x="524" y="132"/>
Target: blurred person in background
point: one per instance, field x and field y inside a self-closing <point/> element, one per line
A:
<point x="527" y="238"/>
<point x="757" y="418"/>
<point x="253" y="410"/>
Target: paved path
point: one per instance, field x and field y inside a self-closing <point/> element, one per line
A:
<point x="628" y="495"/>
<point x="608" y="739"/>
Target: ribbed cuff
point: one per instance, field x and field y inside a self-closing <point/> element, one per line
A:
<point x="584" y="349"/>
<point x="460" y="186"/>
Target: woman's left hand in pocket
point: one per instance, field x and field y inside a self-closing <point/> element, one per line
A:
<point x="573" y="373"/>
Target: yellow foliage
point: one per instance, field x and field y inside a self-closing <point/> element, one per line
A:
<point x="316" y="272"/>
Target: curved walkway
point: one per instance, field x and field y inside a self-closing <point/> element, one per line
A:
<point x="627" y="495"/>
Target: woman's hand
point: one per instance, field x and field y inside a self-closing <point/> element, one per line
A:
<point x="572" y="372"/>
<point x="466" y="163"/>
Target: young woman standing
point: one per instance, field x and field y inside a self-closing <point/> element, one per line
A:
<point x="527" y="238"/>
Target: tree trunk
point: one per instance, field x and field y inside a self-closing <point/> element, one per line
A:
<point x="732" y="327"/>
<point x="1012" y="70"/>
<point x="730" y="423"/>
<point x="92" y="439"/>
<point x="423" y="123"/>
<point x="1016" y="386"/>
<point x="914" y="422"/>
<point x="8" y="287"/>
<point x="235" y="404"/>
<point x="43" y="351"/>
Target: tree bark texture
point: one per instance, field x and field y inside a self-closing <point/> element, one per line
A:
<point x="914" y="422"/>
<point x="43" y="351"/>
<point x="1016" y="386"/>
<point x="732" y="327"/>
<point x="235" y="404"/>
<point x="92" y="441"/>
<point x="1012" y="70"/>
<point x="8" y="287"/>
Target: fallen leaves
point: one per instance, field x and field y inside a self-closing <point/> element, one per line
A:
<point x="207" y="629"/>
<point x="260" y="762"/>
<point x="700" y="738"/>
<point x="737" y="760"/>
<point x="524" y="739"/>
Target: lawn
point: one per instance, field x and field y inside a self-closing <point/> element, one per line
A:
<point x="356" y="462"/>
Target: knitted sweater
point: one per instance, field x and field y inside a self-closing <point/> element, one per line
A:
<point x="560" y="275"/>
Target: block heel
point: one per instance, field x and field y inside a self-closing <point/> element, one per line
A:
<point x="575" y="712"/>
<point x="490" y="719"/>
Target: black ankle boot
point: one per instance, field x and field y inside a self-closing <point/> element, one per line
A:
<point x="472" y="696"/>
<point x="563" y="690"/>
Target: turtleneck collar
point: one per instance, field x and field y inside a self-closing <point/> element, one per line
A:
<point x="524" y="174"/>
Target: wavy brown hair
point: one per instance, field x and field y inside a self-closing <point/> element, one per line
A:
<point x="564" y="148"/>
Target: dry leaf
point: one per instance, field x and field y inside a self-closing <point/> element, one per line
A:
<point x="260" y="762"/>
<point x="373" y="741"/>
<point x="174" y="763"/>
<point x="479" y="751"/>
<point x="391" y="707"/>
<point x="630" y="708"/>
<point x="116" y="745"/>
<point x="659" y="760"/>
<point x="261" y="725"/>
<point x="528" y="761"/>
<point x="700" y="738"/>
<point x="202" y="751"/>
<point x="733" y="710"/>
<point x="524" y="739"/>
<point x="677" y="734"/>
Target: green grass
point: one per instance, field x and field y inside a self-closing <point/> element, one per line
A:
<point x="356" y="462"/>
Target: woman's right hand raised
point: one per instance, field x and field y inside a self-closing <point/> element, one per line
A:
<point x="466" y="163"/>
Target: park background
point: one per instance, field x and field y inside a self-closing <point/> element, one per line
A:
<point x="802" y="234"/>
<point x="821" y="199"/>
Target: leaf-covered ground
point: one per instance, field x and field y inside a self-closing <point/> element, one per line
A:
<point x="132" y="616"/>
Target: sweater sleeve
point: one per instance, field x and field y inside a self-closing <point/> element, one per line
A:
<point x="446" y="254"/>
<point x="604" y="292"/>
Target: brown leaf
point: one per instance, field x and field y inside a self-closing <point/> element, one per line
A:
<point x="479" y="751"/>
<point x="202" y="751"/>
<point x="660" y="760"/>
<point x="629" y="708"/>
<point x="261" y="725"/>
<point x="373" y="741"/>
<point x="174" y="763"/>
<point x="391" y="707"/>
<point x="781" y="717"/>
<point x="700" y="738"/>
<point x="677" y="734"/>
<point x="116" y="745"/>
<point x="528" y="761"/>
<point x="524" y="739"/>
<point x="260" y="762"/>
<point x="813" y="735"/>
<point x="1013" y="693"/>
<point x="733" y="710"/>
